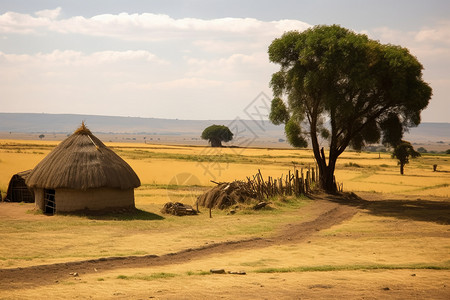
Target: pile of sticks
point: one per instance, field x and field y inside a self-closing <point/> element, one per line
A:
<point x="178" y="209"/>
<point x="295" y="183"/>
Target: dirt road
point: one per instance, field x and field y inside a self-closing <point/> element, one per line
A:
<point x="324" y="214"/>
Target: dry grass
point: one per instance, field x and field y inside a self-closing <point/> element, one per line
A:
<point x="375" y="255"/>
<point x="346" y="255"/>
<point x="159" y="165"/>
<point x="83" y="237"/>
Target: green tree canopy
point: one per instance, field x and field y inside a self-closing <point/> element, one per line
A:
<point x="345" y="88"/>
<point x="422" y="150"/>
<point x="216" y="134"/>
<point x="402" y="152"/>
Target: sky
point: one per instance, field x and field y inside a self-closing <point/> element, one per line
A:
<point x="188" y="59"/>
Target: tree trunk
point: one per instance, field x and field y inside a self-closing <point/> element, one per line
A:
<point x="402" y="168"/>
<point x="326" y="179"/>
<point x="215" y="143"/>
<point x="326" y="172"/>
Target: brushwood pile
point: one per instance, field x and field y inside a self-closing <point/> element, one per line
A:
<point x="227" y="194"/>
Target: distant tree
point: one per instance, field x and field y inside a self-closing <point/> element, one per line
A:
<point x="448" y="151"/>
<point x="41" y="136"/>
<point x="216" y="134"/>
<point x="368" y="92"/>
<point x="402" y="152"/>
<point x="422" y="150"/>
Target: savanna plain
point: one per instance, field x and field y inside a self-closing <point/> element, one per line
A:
<point x="385" y="237"/>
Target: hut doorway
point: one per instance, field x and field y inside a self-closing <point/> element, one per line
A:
<point x="18" y="190"/>
<point x="49" y="202"/>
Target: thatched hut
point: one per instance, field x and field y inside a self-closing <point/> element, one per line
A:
<point x="18" y="190"/>
<point x="81" y="173"/>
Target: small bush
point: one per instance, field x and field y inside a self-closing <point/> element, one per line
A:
<point x="352" y="165"/>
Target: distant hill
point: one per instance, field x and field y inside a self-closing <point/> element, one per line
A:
<point x="249" y="129"/>
<point x="428" y="132"/>
<point x="58" y="125"/>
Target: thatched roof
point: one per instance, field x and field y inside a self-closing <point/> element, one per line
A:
<point x="82" y="162"/>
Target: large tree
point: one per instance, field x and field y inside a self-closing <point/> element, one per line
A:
<point x="402" y="152"/>
<point x="216" y="134"/>
<point x="342" y="87"/>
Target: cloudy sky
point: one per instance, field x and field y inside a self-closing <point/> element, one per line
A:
<point x="188" y="59"/>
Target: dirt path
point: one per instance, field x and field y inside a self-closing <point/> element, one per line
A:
<point x="325" y="214"/>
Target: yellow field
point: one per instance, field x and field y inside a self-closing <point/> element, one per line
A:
<point x="396" y="246"/>
<point x="162" y="165"/>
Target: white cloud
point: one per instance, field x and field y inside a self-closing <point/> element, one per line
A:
<point x="170" y="59"/>
<point x="11" y="22"/>
<point x="49" y="13"/>
<point x="287" y="25"/>
<point x="237" y="65"/>
<point x="439" y="34"/>
<point x="77" y="58"/>
<point x="187" y="83"/>
<point x="222" y="46"/>
<point x="145" y="26"/>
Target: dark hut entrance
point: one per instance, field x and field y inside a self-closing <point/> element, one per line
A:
<point x="49" y="202"/>
<point x="18" y="190"/>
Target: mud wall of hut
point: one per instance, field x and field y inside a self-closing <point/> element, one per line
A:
<point x="93" y="199"/>
<point x="39" y="198"/>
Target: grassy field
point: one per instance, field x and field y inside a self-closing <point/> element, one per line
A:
<point x="381" y="246"/>
<point x="160" y="165"/>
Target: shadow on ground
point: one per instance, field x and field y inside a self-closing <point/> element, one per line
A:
<point x="129" y="215"/>
<point x="417" y="210"/>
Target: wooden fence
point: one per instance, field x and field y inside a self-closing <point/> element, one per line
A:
<point x="298" y="182"/>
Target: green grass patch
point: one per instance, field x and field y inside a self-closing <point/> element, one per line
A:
<point x="150" y="277"/>
<point x="328" y="268"/>
<point x="198" y="273"/>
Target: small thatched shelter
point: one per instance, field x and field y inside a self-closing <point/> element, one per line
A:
<point x="18" y="190"/>
<point x="81" y="173"/>
<point x="226" y="194"/>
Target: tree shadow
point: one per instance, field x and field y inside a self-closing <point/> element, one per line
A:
<point x="418" y="210"/>
<point x="128" y="215"/>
